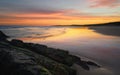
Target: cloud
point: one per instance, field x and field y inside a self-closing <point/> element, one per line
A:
<point x="39" y="14"/>
<point x="31" y="10"/>
<point x="104" y="3"/>
<point x="19" y="6"/>
<point x="22" y="9"/>
<point x="22" y="18"/>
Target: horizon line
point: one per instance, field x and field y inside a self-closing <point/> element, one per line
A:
<point x="61" y="24"/>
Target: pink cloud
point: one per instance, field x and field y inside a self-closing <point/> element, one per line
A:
<point x="105" y="3"/>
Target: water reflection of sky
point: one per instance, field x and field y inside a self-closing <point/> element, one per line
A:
<point x="84" y="41"/>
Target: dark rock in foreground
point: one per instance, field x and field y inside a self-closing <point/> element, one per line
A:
<point x="3" y="36"/>
<point x="19" y="58"/>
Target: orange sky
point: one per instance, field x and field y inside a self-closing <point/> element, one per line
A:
<point x="57" y="20"/>
<point x="39" y="12"/>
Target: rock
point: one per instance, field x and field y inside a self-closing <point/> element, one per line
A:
<point x="92" y="63"/>
<point x="55" y="67"/>
<point x="55" y="54"/>
<point x="13" y="63"/>
<point x="83" y="64"/>
<point x="19" y="58"/>
<point x="3" y="37"/>
<point x="16" y="42"/>
<point x="58" y="55"/>
<point x="23" y="61"/>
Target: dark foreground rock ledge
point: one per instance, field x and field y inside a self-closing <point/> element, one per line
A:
<point x="20" y="58"/>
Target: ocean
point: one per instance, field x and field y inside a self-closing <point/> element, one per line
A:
<point x="97" y="43"/>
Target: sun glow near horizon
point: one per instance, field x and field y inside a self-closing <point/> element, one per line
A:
<point x="39" y="12"/>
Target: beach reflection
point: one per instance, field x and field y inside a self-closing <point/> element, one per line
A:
<point x="81" y="41"/>
<point x="72" y="34"/>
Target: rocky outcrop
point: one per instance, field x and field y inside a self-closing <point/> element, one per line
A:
<point x="19" y="58"/>
<point x="58" y="55"/>
<point x="16" y="60"/>
<point x="15" y="63"/>
<point x="3" y="36"/>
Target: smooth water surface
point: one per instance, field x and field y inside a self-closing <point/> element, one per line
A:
<point x="96" y="43"/>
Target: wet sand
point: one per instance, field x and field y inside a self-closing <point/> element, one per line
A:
<point x="100" y="44"/>
<point x="107" y="30"/>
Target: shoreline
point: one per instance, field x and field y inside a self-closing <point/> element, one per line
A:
<point x="50" y="59"/>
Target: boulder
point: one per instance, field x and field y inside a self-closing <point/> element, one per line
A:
<point x="92" y="64"/>
<point x="16" y="60"/>
<point x="14" y="63"/>
<point x="16" y="42"/>
<point x="84" y="65"/>
<point x="3" y="37"/>
<point x="19" y="58"/>
<point x="58" y="55"/>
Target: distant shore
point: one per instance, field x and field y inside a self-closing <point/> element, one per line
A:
<point x="88" y="25"/>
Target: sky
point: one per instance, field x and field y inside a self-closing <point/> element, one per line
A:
<point x="58" y="12"/>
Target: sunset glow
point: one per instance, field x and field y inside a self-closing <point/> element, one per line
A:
<point x="68" y="12"/>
